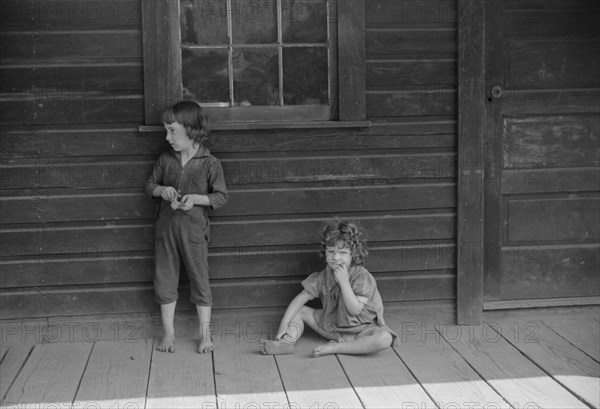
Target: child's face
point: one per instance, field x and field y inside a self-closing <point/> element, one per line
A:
<point x="177" y="137"/>
<point x="338" y="255"/>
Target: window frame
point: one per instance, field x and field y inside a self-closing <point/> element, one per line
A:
<point x="163" y="81"/>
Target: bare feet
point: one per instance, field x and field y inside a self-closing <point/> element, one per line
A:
<point x="205" y="346"/>
<point x="326" y="349"/>
<point x="167" y="344"/>
<point x="269" y="347"/>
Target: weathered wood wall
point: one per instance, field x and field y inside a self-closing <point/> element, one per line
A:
<point x="77" y="230"/>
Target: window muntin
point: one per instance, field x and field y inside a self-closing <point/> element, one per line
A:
<point x="254" y="58"/>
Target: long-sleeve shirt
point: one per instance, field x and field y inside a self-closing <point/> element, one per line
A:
<point x="202" y="174"/>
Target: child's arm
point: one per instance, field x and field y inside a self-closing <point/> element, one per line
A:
<point x="353" y="303"/>
<point x="291" y="311"/>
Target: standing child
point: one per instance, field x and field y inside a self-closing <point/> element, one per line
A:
<point x="352" y="313"/>
<point x="189" y="180"/>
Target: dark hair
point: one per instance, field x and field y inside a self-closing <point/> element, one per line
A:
<point x="191" y="116"/>
<point x="347" y="233"/>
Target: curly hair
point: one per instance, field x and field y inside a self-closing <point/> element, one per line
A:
<point x="191" y="116"/>
<point x="347" y="233"/>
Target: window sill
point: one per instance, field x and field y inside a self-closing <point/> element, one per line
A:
<point x="218" y="126"/>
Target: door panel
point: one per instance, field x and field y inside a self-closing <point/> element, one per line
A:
<point x="542" y="132"/>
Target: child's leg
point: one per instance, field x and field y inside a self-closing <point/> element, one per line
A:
<point x="294" y="332"/>
<point x="367" y="342"/>
<point x="167" y="315"/>
<point x="205" y="345"/>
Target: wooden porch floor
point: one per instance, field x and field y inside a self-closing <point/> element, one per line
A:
<point x="549" y="362"/>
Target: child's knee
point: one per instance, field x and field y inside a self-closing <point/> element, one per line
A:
<point x="383" y="339"/>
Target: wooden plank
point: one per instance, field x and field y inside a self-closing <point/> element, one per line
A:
<point x="127" y="240"/>
<point x="441" y="371"/>
<point x="566" y="364"/>
<point x="77" y="141"/>
<point x="62" y="14"/>
<point x="401" y="42"/>
<point x="551" y="141"/>
<point x="561" y="18"/>
<point x="401" y="74"/>
<point x="351" y="60"/>
<point x="311" y="381"/>
<point x="471" y="123"/>
<point x="116" y="375"/>
<point x="533" y="179"/>
<point x="243" y="262"/>
<point x="106" y="78"/>
<point x="519" y="381"/>
<point x="575" y="218"/>
<point x="230" y="293"/>
<point x="51" y="375"/>
<point x="183" y="379"/>
<point x="410" y="13"/>
<point x="425" y="100"/>
<point x="162" y="71"/>
<point x="84" y="207"/>
<point x="382" y="381"/>
<point x="107" y="140"/>
<point x="11" y="364"/>
<point x="531" y="270"/>
<point x="89" y="241"/>
<point x="531" y="102"/>
<point x="584" y="334"/>
<point x="73" y="108"/>
<point x="243" y="376"/>
<point x="130" y="205"/>
<point x="60" y="46"/>
<point x="553" y="63"/>
<point x="133" y="173"/>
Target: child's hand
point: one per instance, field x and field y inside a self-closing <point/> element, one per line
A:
<point x="186" y="203"/>
<point x="168" y="193"/>
<point x="340" y="273"/>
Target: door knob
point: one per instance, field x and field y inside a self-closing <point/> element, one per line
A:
<point x="496" y="91"/>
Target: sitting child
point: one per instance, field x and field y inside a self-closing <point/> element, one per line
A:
<point x="352" y="313"/>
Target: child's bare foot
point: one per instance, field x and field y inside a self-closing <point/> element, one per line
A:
<point x="269" y="347"/>
<point x="167" y="344"/>
<point x="326" y="349"/>
<point x="205" y="346"/>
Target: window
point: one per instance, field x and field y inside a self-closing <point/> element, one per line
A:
<point x="256" y="61"/>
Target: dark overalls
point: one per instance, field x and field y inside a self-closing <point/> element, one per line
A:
<point x="182" y="236"/>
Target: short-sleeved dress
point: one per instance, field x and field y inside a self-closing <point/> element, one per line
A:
<point x="334" y="317"/>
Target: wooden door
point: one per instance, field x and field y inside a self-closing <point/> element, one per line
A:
<point x="541" y="153"/>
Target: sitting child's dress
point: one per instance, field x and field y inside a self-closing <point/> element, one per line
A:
<point x="334" y="318"/>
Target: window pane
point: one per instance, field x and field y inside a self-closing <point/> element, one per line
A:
<point x="205" y="75"/>
<point x="254" y="22"/>
<point x="256" y="76"/>
<point x="203" y="22"/>
<point x="305" y="76"/>
<point x="304" y="21"/>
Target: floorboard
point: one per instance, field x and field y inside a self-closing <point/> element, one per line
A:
<point x="520" y="382"/>
<point x="569" y="366"/>
<point x="51" y="375"/>
<point x="383" y="381"/>
<point x="246" y="378"/>
<point x="315" y="382"/>
<point x="116" y="375"/>
<point x="443" y="373"/>
<point x="183" y="379"/>
<point x="12" y="362"/>
<point x="584" y="334"/>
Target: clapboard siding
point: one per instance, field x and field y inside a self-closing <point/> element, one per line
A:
<point x="131" y="172"/>
<point x="77" y="141"/>
<point x="77" y="228"/>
